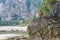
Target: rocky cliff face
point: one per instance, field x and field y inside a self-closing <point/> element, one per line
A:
<point x="47" y="27"/>
<point x="44" y="30"/>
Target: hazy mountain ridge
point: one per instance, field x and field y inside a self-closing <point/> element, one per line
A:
<point x="18" y="9"/>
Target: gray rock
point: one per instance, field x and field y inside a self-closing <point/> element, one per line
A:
<point x="55" y="10"/>
<point x="47" y="27"/>
<point x="41" y="30"/>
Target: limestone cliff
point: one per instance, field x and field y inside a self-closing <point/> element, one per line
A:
<point x="45" y="29"/>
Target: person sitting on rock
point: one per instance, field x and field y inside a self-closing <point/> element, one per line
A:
<point x="40" y="14"/>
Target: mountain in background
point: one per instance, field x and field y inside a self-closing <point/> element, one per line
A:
<point x="18" y="9"/>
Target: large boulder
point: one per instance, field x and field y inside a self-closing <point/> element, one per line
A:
<point x="44" y="29"/>
<point x="47" y="27"/>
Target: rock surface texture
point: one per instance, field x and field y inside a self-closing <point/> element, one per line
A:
<point x="46" y="27"/>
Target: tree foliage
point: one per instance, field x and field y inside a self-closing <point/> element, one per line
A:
<point x="45" y="6"/>
<point x="49" y="1"/>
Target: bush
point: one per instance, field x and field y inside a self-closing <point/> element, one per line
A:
<point x="45" y="6"/>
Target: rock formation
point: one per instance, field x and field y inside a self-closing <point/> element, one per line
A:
<point x="47" y="27"/>
<point x="55" y="10"/>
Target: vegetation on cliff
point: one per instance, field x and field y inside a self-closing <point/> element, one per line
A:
<point x="45" y="28"/>
<point x="46" y="6"/>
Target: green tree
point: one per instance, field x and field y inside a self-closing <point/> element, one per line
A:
<point x="46" y="6"/>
